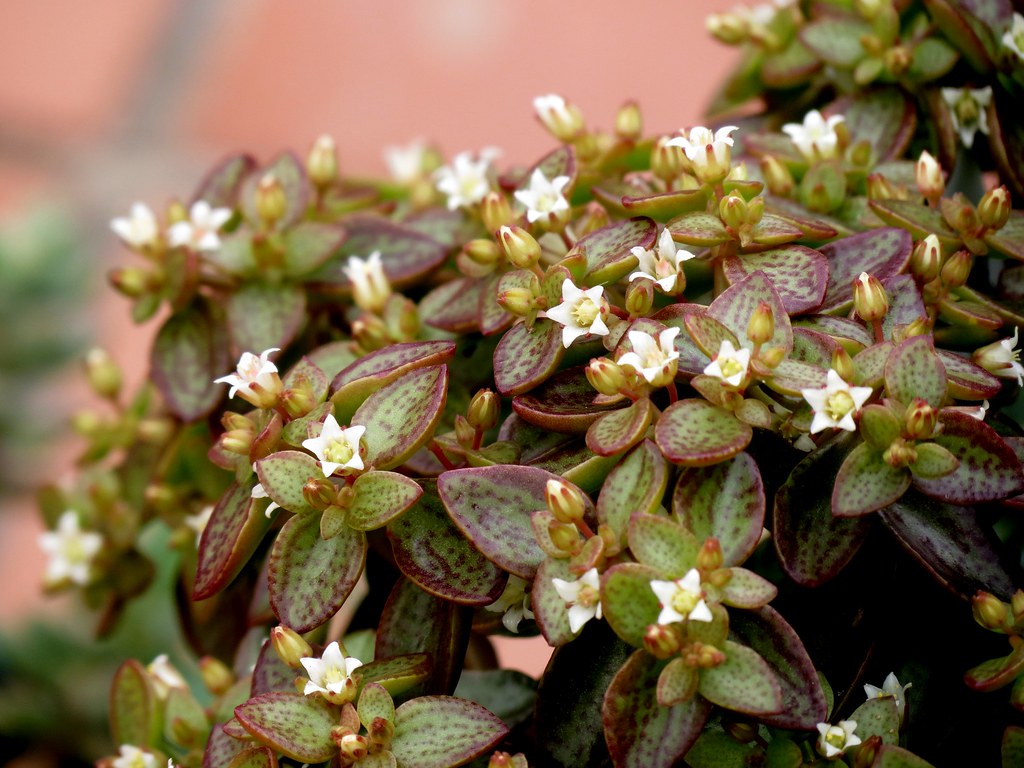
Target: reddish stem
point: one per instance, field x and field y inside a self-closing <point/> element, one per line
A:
<point x="673" y="394"/>
<point x="439" y="454"/>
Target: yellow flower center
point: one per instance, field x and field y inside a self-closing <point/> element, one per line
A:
<point x="334" y="675"/>
<point x="838" y="405"/>
<point x="586" y="312"/>
<point x="967" y="110"/>
<point x="685" y="601"/>
<point x="730" y="367"/>
<point x="588" y="596"/>
<point x="339" y="452"/>
<point x="836" y="736"/>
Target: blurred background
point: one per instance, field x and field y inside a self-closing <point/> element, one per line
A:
<point x="106" y="103"/>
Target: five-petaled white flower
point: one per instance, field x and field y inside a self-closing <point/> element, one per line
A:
<point x="836" y="403"/>
<point x="466" y="181"/>
<point x="138" y="229"/>
<point x="1013" y="38"/>
<point x="543" y="198"/>
<point x="815" y="137"/>
<point x="655" y="360"/>
<point x="967" y="107"/>
<point x="514" y="603"/>
<point x="709" y="152"/>
<point x="164" y="676"/>
<point x="200" y="231"/>
<point x="730" y="364"/>
<point x="337" y="447"/>
<point x="71" y="551"/>
<point x="564" y="120"/>
<point x="370" y="285"/>
<point x="681" y="599"/>
<point x="131" y="756"/>
<point x="331" y="673"/>
<point x="406" y="163"/>
<point x="833" y="740"/>
<point x="581" y="312"/>
<point x="255" y="376"/>
<point x="583" y="597"/>
<point x="663" y="264"/>
<point x="890" y="687"/>
<point x="1002" y="358"/>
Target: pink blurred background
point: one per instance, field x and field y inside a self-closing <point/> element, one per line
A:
<point x="102" y="104"/>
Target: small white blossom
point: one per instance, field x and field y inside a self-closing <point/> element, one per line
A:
<point x="681" y="599"/>
<point x="406" y="163"/>
<point x="583" y="597"/>
<point x="836" y="403"/>
<point x="259" y="492"/>
<point x="967" y="107"/>
<point x="254" y="375"/>
<point x="562" y="119"/>
<point x="890" y="687"/>
<point x="337" y="447"/>
<point x="544" y="199"/>
<point x="1013" y="38"/>
<point x="199" y="521"/>
<point x="71" y="551"/>
<point x="815" y="137"/>
<point x="833" y="740"/>
<point x="331" y="673"/>
<point x="370" y="285"/>
<point x="165" y="676"/>
<point x="200" y="231"/>
<point x="1002" y="358"/>
<point x="581" y="312"/>
<point x="663" y="264"/>
<point x="514" y="603"/>
<point x="132" y="757"/>
<point x="466" y="181"/>
<point x="709" y="152"/>
<point x="139" y="229"/>
<point x="730" y="364"/>
<point x="655" y="360"/>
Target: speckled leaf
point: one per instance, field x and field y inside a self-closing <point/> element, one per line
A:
<point x="560" y="161"/>
<point x="399" y="673"/>
<point x="692" y="360"/>
<point x="309" y="244"/>
<point x="881" y="252"/>
<point x="743" y="683"/>
<point x="283" y="474"/>
<point x="132" y="705"/>
<point x="698" y="228"/>
<point x="618" y="431"/>
<point x="798" y="273"/>
<point x="663" y="544"/>
<point x="967" y="381"/>
<point x="270" y="673"/>
<point x="989" y="469"/>
<point x="870" y="364"/>
<point x="636" y="484"/>
<point x="291" y="175"/>
<point x="380" y="497"/>
<point x="812" y="544"/>
<point x="454" y="306"/>
<point x="221" y="748"/>
<point x="905" y="304"/>
<point x="254" y="757"/>
<point x="296" y="431"/>
<point x="401" y="417"/>
<point x="234" y="531"/>
<point x="641" y="733"/>
<point x="836" y="41"/>
<point x="221" y="185"/>
<point x="724" y="501"/>
<point x="853" y="336"/>
<point x="550" y="610"/>
<point x="866" y="483"/>
<point x="628" y="603"/>
<point x="375" y="701"/>
<point x="442" y="731"/>
<point x="917" y="220"/>
<point x="735" y="306"/>
<point x="885" y="117"/>
<point x="878" y="716"/>
<point x="190" y="351"/>
<point x="767" y="633"/>
<point x="708" y="334"/>
<point x="297" y="726"/>
<point x="492" y="316"/>
<point x="431" y="551"/>
<point x="563" y="403"/>
<point x="775" y="230"/>
<point x="306" y="372"/>
<point x="310" y="578"/>
<point x="525" y="357"/>
<point x="663" y="206"/>
<point x="492" y="507"/>
<point x="696" y="433"/>
<point x="608" y="249"/>
<point x="914" y="370"/>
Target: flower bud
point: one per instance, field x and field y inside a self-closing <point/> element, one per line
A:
<point x="563" y="120"/>
<point x="629" y="124"/>
<point x="1017" y="605"/>
<point x="352" y="746"/>
<point x="639" y="297"/>
<point x="741" y="731"/>
<point x="518" y="301"/>
<point x="464" y="431"/>
<point x="370" y="333"/>
<point x="861" y="155"/>
<point x="299" y="399"/>
<point x="920" y="420"/>
<point x="320" y="493"/>
<point x="134" y="282"/>
<point x="867" y="752"/>
<point x="482" y="251"/>
<point x="989" y="611"/>
<point x="217" y="676"/>
<point x="842" y="364"/>
<point x="565" y="501"/>
<point x="733" y="210"/>
<point x="322" y="162"/>
<point x="897" y="60"/>
<point x="869" y="298"/>
<point x="495" y="211"/>
<point x="868" y="9"/>
<point x="103" y="373"/>
<point x="662" y="641"/>
<point x="702" y="655"/>
<point x="667" y="162"/>
<point x="957" y="269"/>
<point x="930" y="181"/>
<point x="961" y="215"/>
<point x="271" y="201"/>
<point x="899" y="454"/>
<point x="926" y="258"/>
<point x="484" y="409"/>
<point x="521" y="248"/>
<point x="729" y="28"/>
<point x="155" y="431"/>
<point x="564" y="536"/>
<point x="777" y="176"/>
<point x="994" y="208"/>
<point x="772" y="356"/>
<point x="606" y="376"/>
<point x="709" y="557"/>
<point x="289" y="646"/>
<point x="761" y="327"/>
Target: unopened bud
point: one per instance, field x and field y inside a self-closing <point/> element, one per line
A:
<point x="729" y="28"/>
<point x="484" y="409"/>
<point x="761" y="327"/>
<point x="662" y="641"/>
<point x="989" y="611"/>
<point x="639" y="297"/>
<point x="899" y="454"/>
<point x="133" y="282"/>
<point x="777" y="176"/>
<point x="299" y="399"/>
<point x="161" y="496"/>
<point x="710" y="557"/>
<point x="518" y="301"/>
<point x="271" y="201"/>
<point x="353" y="746"/>
<point x="861" y="154"/>
<point x="482" y="251"/>
<point x="605" y="375"/>
<point x="1017" y="605"/>
<point x="959" y="213"/>
<point x="521" y="248"/>
<point x="564" y="536"/>
<point x="495" y="211"/>
<point x="565" y="501"/>
<point x="464" y="431"/>
<point x="103" y="373"/>
<point x="869" y="298"/>
<point x="703" y="655"/>
<point x="290" y="646"/>
<point x="217" y="676"/>
<point x="733" y="210"/>
<point x="320" y="493"/>
<point x="370" y="333"/>
<point x="629" y="124"/>
<point x="929" y="176"/>
<point x="667" y="162"/>
<point x="897" y="60"/>
<point x="926" y="258"/>
<point x="867" y="752"/>
<point x="994" y="208"/>
<point x="842" y="364"/>
<point x="880" y="188"/>
<point x="771" y="356"/>
<point x="322" y="162"/>
<point x="957" y="269"/>
<point x="919" y="326"/>
<point x="868" y="9"/>
<point x="921" y="420"/>
<point x="155" y="431"/>
<point x="562" y="119"/>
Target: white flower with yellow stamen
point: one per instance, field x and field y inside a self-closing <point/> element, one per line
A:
<point x="337" y="447"/>
<point x="681" y="599"/>
<point x="581" y="312"/>
<point x="836" y="403"/>
<point x="663" y="264"/>
<point x="730" y="364"/>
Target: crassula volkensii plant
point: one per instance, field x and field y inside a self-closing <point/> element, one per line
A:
<point x="728" y="417"/>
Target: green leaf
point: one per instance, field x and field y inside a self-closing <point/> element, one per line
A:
<point x="996" y="673"/>
<point x="525" y="357"/>
<point x="891" y="756"/>
<point x="283" y="475"/>
<point x="507" y="693"/>
<point x="618" y="431"/>
<point x="799" y="274"/>
<point x="866" y="483"/>
<point x="379" y="498"/>
<point x="183" y="711"/>
<point x="608" y="249"/>
<point x="932" y="58"/>
<point x="870" y="364"/>
<point x="743" y="683"/>
<point x="661" y="206"/>
<point x="550" y="611"/>
<point x="885" y="117"/>
<point x="880" y="717"/>
<point x="375" y="701"/>
<point x="563" y="403"/>
<point x="636" y="484"/>
<point x="708" y="334"/>
<point x="254" y="757"/>
<point x="696" y="433"/>
<point x="442" y="731"/>
<point x="235" y="529"/>
<point x="746" y="589"/>
<point x="880" y="252"/>
<point x="221" y="748"/>
<point x="698" y="228"/>
<point x="790" y="67"/>
<point x="677" y="683"/>
<point x="836" y="41"/>
<point x="309" y="578"/>
<point x="933" y="461"/>
<point x="132" y="705"/>
<point x="454" y="306"/>
<point x="717" y="749"/>
<point x="309" y="244"/>
<point x="220" y="186"/>
<point x="914" y="370"/>
<point x="628" y="603"/>
<point x="878" y="426"/>
<point x="736" y="304"/>
<point x="663" y="544"/>
<point x="262" y="316"/>
<point x="1012" y="746"/>
<point x="190" y="351"/>
<point x="398" y="674"/>
<point x="775" y="230"/>
<point x="295" y="725"/>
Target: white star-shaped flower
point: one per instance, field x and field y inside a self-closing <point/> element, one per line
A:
<point x="730" y="364"/>
<point x="1002" y="358"/>
<point x="836" y="403"/>
<point x="165" y="676"/>
<point x="967" y="107"/>
<point x="833" y="740"/>
<point x="815" y="137"/>
<point x="514" y="603"/>
<point x="583" y="598"/>
<point x="543" y="198"/>
<point x="370" y="285"/>
<point x="139" y="229"/>
<point x="564" y="120"/>
<point x="331" y="673"/>
<point x="663" y="264"/>
<point x="681" y="599"/>
<point x="255" y="373"/>
<point x="890" y="687"/>
<point x="406" y="163"/>
<point x="581" y="312"/>
<point x="200" y="231"/>
<point x="131" y="756"/>
<point x="654" y="359"/>
<point x="1013" y="38"/>
<point x="337" y="447"/>
<point x="71" y="551"/>
<point x="710" y="152"/>
<point x="466" y="181"/>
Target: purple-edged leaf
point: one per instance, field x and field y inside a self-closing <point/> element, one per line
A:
<point x="792" y="66"/>
<point x="608" y="248"/>
<point x="766" y="632"/>
<point x="956" y="26"/>
<point x="735" y="306"/>
<point x="866" y="483"/>
<point x="799" y="274"/>
<point x="882" y="253"/>
<point x="745" y="589"/>
<point x="132" y="705"/>
<point x="375" y="701"/>
<point x="525" y="357"/>
<point x="917" y="220"/>
<point x="696" y="433"/>
<point x="708" y="334"/>
<point x="813" y="347"/>
<point x="493" y="318"/>
<point x="401" y="417"/>
<point x="380" y="497"/>
<point x="995" y="673"/>
<point x="870" y="364"/>
<point x="308" y="245"/>
<point x="905" y="304"/>
<point x="189" y="352"/>
<point x="221" y="185"/>
<point x="852" y="335"/>
<point x="309" y="579"/>
<point x="492" y="507"/>
<point x="291" y="175"/>
<point x="966" y="380"/>
<point x="442" y="731"/>
<point x="989" y="469"/>
<point x="254" y="757"/>
<point x="270" y="673"/>
<point x="836" y="41"/>
<point x="663" y="206"/>
<point x="640" y="732"/>
<point x="550" y="610"/>
<point x="812" y="544"/>
<point x="692" y="360"/>
<point x="297" y="726"/>
<point x="508" y="693"/>
<point x="775" y="230"/>
<point x="431" y="551"/>
<point x="234" y="531"/>
<point x="1010" y="238"/>
<point x="885" y="117"/>
<point x="563" y="403"/>
<point x="306" y="372"/>
<point x="743" y="683"/>
<point x="914" y="370"/>
<point x="618" y="431"/>
<point x="878" y="716"/>
<point x="628" y="603"/>
<point x="636" y="484"/>
<point x="953" y="543"/>
<point x="221" y="748"/>
<point x="698" y="228"/>
<point x="724" y="501"/>
<point x="454" y="306"/>
<point x="663" y="544"/>
<point x="283" y="475"/>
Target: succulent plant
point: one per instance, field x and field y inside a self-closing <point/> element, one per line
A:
<point x="658" y="399"/>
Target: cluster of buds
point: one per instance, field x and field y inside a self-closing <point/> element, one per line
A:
<point x="998" y="616"/>
<point x="355" y="746"/>
<point x="481" y="415"/>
